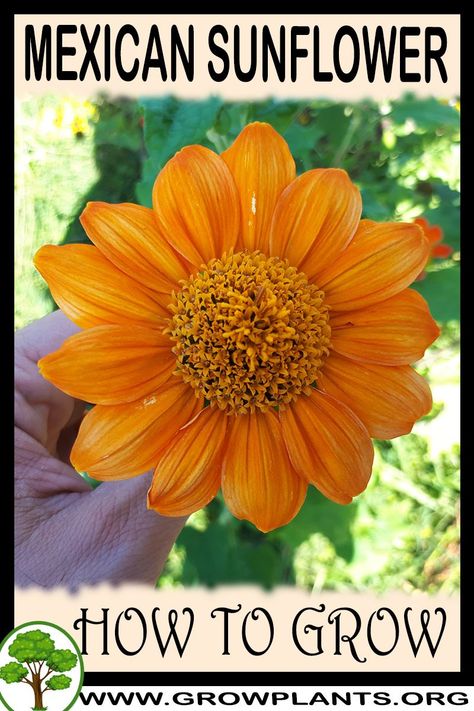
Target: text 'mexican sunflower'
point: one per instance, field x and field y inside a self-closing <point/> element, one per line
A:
<point x="250" y="333"/>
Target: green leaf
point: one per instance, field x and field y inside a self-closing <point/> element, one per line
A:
<point x="119" y="125"/>
<point x="320" y="515"/>
<point x="302" y="140"/>
<point x="13" y="672"/>
<point x="262" y="564"/>
<point x="62" y="660"/>
<point x="224" y="121"/>
<point x="207" y="554"/>
<point x="333" y="124"/>
<point x="32" y="646"/>
<point x="278" y="114"/>
<point x="58" y="682"/>
<point x="230" y="552"/>
<point x="441" y="289"/>
<point x="426" y="113"/>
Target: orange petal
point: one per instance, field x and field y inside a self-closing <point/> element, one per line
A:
<point x="262" y="166"/>
<point x="188" y="475"/>
<point x="128" y="235"/>
<point x="196" y="204"/>
<point x="388" y="399"/>
<point x="434" y="233"/>
<point x="394" y="332"/>
<point x="328" y="445"/>
<point x="258" y="481"/>
<point x="110" y="364"/>
<point x="92" y="291"/>
<point x="382" y="260"/>
<point x="441" y="251"/>
<point x="121" y="441"/>
<point x="315" y="219"/>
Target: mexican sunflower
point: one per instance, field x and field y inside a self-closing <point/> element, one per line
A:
<point x="438" y="249"/>
<point x="248" y="333"/>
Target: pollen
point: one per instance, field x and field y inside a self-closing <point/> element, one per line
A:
<point x="250" y="332"/>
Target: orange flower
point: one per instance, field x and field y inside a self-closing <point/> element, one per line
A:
<point x="248" y="333"/>
<point x="434" y="233"/>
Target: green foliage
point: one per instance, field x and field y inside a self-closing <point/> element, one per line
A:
<point x="118" y="148"/>
<point x="408" y="486"/>
<point x="58" y="682"/>
<point x="62" y="660"/>
<point x="13" y="672"/>
<point x="57" y="172"/>
<point x="32" y="646"/>
<point x="227" y="550"/>
<point x="319" y="515"/>
<point x="441" y="288"/>
<point x="426" y="114"/>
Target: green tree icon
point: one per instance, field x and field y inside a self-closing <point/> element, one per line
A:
<point x="37" y="658"/>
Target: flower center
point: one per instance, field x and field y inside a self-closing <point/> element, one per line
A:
<point x="250" y="332"/>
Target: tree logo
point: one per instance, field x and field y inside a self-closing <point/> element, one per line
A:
<point x="33" y="659"/>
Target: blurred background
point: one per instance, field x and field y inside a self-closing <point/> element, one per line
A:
<point x="403" y="532"/>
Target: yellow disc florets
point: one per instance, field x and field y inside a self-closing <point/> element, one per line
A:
<point x="250" y="332"/>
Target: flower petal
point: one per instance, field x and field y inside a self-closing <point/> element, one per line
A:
<point x="92" y="292"/>
<point x="197" y="205"/>
<point x="121" y="441"/>
<point x="393" y="332"/>
<point x="441" y="251"/>
<point x="262" y="166"/>
<point x="382" y="260"/>
<point x="128" y="235"/>
<point x="433" y="233"/>
<point x="388" y="399"/>
<point x="258" y="481"/>
<point x="328" y="445"/>
<point x="188" y="475"/>
<point x="315" y="219"/>
<point x="110" y="364"/>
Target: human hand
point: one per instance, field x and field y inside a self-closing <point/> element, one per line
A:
<point x="67" y="533"/>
